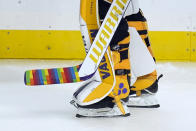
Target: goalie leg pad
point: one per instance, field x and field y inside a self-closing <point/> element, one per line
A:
<point x="119" y="55"/>
<point x="97" y="88"/>
<point x="144" y="67"/>
<point x="143" y="91"/>
<point x="140" y="64"/>
<point x="84" y="98"/>
<point x="89" y="97"/>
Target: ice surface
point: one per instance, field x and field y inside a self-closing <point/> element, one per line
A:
<point x="47" y="108"/>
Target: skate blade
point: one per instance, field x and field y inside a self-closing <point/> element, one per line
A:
<point x="150" y="106"/>
<point x="81" y="116"/>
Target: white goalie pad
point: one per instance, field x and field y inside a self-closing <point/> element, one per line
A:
<point x="141" y="60"/>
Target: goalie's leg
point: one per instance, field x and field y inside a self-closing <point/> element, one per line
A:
<point x="91" y="99"/>
<point x="114" y="104"/>
<point x="143" y="91"/>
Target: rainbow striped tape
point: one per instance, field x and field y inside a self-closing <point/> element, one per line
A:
<point x="52" y="76"/>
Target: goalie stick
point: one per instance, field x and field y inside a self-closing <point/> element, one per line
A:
<point x="54" y="76"/>
<point x="87" y="69"/>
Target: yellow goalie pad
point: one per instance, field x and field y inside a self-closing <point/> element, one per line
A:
<point x="102" y="84"/>
<point x="107" y="83"/>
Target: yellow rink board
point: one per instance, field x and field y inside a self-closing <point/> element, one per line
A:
<point x="41" y="44"/>
<point x="167" y="45"/>
<point x="171" y="45"/>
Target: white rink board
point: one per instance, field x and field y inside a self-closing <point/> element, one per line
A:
<point x="163" y="15"/>
<point x="170" y="15"/>
<point x="39" y="14"/>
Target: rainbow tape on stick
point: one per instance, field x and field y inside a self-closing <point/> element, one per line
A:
<point x="53" y="76"/>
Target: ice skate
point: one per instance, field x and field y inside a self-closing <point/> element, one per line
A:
<point x="104" y="108"/>
<point x="145" y="98"/>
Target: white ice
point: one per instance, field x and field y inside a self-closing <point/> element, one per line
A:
<point x="47" y="108"/>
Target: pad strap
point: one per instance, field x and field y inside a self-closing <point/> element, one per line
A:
<point x="122" y="72"/>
